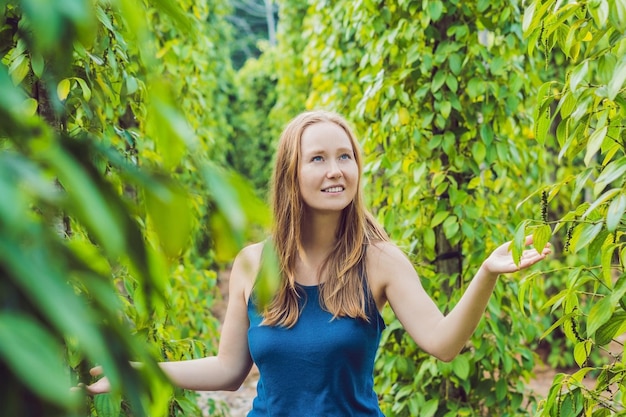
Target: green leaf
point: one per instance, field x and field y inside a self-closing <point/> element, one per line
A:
<point x="519" y="242"/>
<point x="615" y="212"/>
<point x="438" y="80"/>
<point x="479" y="152"/>
<point x="37" y="64"/>
<point x="268" y="279"/>
<point x="429" y="408"/>
<point x="84" y="87"/>
<point x="599" y="314"/>
<point x="439" y="217"/>
<point x="451" y="227"/>
<point x="541" y="236"/>
<point x="613" y="171"/>
<point x="88" y="202"/>
<point x="528" y="18"/>
<point x="18" y="69"/>
<point x="35" y="356"/>
<point x="435" y="9"/>
<point x="455" y="63"/>
<point x="605" y="260"/>
<point x="63" y="89"/>
<point x="107" y="405"/>
<point x="610" y="329"/>
<point x="30" y="106"/>
<point x="171" y="217"/>
<point x="601" y="200"/>
<point x="578" y="74"/>
<point x="594" y="144"/>
<point x="581" y="180"/>
<point x="583" y="234"/>
<point x="461" y="366"/>
<point x="617" y="15"/>
<point x="582" y="351"/>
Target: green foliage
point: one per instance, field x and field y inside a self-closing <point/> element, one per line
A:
<point x="114" y="122"/>
<point x="255" y="134"/>
<point x="583" y="116"/>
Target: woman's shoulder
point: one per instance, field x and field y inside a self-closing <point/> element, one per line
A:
<point x="246" y="267"/>
<point x="385" y="260"/>
<point x="385" y="251"/>
<point x="251" y="252"/>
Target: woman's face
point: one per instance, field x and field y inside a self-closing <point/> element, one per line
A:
<point x="329" y="174"/>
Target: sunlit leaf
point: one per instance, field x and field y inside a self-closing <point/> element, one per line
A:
<point x="615" y="213"/>
<point x="541" y="236"/>
<point x="63" y="89"/>
<point x="594" y="144"/>
<point x="613" y="171"/>
<point x="582" y="350"/>
<point x="619" y="76"/>
<point x="578" y="74"/>
<point x="600" y="313"/>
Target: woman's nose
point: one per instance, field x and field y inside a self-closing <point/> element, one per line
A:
<point x="333" y="170"/>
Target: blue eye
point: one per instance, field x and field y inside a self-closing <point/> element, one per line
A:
<point x="345" y="156"/>
<point x="317" y="158"/>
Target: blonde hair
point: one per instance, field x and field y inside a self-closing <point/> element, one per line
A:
<point x="343" y="293"/>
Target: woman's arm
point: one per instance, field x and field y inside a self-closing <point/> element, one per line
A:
<point x="229" y="368"/>
<point x="441" y="336"/>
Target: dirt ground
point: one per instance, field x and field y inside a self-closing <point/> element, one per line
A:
<point x="238" y="403"/>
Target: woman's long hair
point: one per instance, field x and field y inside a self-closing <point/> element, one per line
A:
<point x="343" y="293"/>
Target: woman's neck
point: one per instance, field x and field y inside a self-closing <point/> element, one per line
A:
<point x="319" y="232"/>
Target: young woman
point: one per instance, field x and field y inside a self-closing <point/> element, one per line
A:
<point x="315" y="342"/>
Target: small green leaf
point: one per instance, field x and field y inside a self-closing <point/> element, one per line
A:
<point x="18" y="69"/>
<point x="438" y="80"/>
<point x="456" y="63"/>
<point x="613" y="171"/>
<point x="461" y="366"/>
<point x="578" y="74"/>
<point x="439" y="217"/>
<point x="37" y="64"/>
<point x="84" y="87"/>
<point x="30" y="106"/>
<point x="435" y="9"/>
<point x="594" y="143"/>
<point x="528" y="17"/>
<point x="63" y="89"/>
<point x="541" y="236"/>
<point x="584" y="234"/>
<point x="107" y="405"/>
<point x="582" y="351"/>
<point x="615" y="212"/>
<point x="479" y="152"/>
<point x="610" y="329"/>
<point x="519" y="242"/>
<point x="605" y="260"/>
<point x="429" y="408"/>
<point x="600" y="313"/>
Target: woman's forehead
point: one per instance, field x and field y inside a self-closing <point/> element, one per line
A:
<point x="325" y="135"/>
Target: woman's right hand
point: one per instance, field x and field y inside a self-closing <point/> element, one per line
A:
<point x="101" y="386"/>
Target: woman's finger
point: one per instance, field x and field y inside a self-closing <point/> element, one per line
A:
<point x="95" y="371"/>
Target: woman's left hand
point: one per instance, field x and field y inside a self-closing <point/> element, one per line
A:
<point x="501" y="260"/>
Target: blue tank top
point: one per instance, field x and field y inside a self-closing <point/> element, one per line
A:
<point x="321" y="367"/>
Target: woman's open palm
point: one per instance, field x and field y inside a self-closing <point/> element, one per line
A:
<point x="501" y="260"/>
<point x="102" y="385"/>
